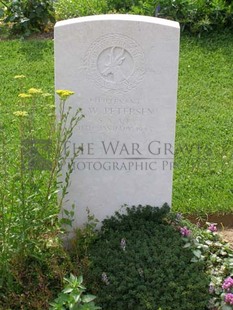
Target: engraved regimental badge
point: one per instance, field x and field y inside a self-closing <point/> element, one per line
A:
<point x="115" y="62"/>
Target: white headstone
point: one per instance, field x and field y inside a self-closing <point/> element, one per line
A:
<point x="123" y="70"/>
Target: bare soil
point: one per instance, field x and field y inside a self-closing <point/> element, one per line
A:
<point x="224" y="223"/>
<point x="227" y="235"/>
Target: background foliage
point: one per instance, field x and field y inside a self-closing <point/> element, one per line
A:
<point x="30" y="16"/>
<point x="66" y="9"/>
<point x="195" y="16"/>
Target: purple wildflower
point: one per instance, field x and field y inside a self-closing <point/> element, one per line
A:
<point x="228" y="284"/>
<point x="140" y="271"/>
<point x="229" y="298"/>
<point x="123" y="244"/>
<point x="185" y="232"/>
<point x="211" y="289"/>
<point x="105" y="278"/>
<point x="212" y="227"/>
<point x="157" y="10"/>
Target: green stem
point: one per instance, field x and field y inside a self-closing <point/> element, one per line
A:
<point x="57" y="151"/>
<point x="4" y="224"/>
<point x="4" y="4"/>
<point x="22" y="185"/>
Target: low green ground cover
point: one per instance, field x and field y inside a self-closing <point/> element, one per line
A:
<point x="203" y="159"/>
<point x="150" y="258"/>
<point x="138" y="261"/>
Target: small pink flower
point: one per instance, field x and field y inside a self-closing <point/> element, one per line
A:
<point x="228" y="284"/>
<point x="229" y="298"/>
<point x="212" y="228"/>
<point x="185" y="232"/>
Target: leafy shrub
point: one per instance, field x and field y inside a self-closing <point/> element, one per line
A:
<point x="66" y="9"/>
<point x="31" y="257"/>
<point x="29" y="16"/>
<point x="121" y="5"/>
<point x="194" y="16"/>
<point x="138" y="262"/>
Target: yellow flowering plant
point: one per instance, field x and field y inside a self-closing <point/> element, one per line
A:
<point x="28" y="176"/>
<point x="64" y="93"/>
<point x="34" y="91"/>
<point x="20" y="113"/>
<point x="24" y="95"/>
<point x="19" y="76"/>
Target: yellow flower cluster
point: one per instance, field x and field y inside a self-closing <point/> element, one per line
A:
<point x="64" y="93"/>
<point x="19" y="76"/>
<point x="20" y="113"/>
<point x="24" y="95"/>
<point x="35" y="91"/>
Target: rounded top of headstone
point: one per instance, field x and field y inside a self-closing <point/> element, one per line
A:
<point x="119" y="17"/>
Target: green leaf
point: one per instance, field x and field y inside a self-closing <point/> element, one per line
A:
<point x="80" y="279"/>
<point x="73" y="278"/>
<point x="197" y="253"/>
<point x="1" y="12"/>
<point x="223" y="253"/>
<point x="77" y="298"/>
<point x="194" y="260"/>
<point x="66" y="212"/>
<point x="88" y="298"/>
<point x="68" y="290"/>
<point x="225" y="307"/>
